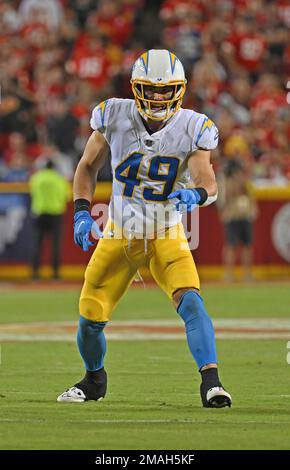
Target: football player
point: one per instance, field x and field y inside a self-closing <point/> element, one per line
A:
<point x="155" y="147"/>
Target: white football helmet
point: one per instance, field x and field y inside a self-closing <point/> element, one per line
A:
<point x="158" y="68"/>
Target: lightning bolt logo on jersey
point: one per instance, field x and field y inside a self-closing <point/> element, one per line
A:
<point x="147" y="168"/>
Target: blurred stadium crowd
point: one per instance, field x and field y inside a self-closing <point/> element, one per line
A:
<point x="61" y="57"/>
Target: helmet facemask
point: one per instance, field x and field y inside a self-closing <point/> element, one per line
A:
<point x="145" y="105"/>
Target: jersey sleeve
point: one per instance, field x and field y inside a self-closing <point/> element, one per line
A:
<point x="206" y="134"/>
<point x="100" y="117"/>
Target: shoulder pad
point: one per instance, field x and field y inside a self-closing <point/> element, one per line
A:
<point x="100" y="115"/>
<point x="206" y="134"/>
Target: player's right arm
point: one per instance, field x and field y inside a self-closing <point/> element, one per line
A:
<point x="94" y="156"/>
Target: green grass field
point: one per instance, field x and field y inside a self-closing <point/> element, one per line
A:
<point x="153" y="393"/>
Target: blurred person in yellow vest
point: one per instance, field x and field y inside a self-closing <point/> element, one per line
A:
<point x="238" y="211"/>
<point x="49" y="193"/>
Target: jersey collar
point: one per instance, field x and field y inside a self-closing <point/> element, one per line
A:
<point x="141" y="128"/>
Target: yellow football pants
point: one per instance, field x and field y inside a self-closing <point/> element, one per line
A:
<point x="114" y="264"/>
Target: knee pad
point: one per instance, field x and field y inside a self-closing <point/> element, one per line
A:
<point x="94" y="304"/>
<point x="89" y="327"/>
<point x="190" y="306"/>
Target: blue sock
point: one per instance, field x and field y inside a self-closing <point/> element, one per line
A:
<point x="199" y="329"/>
<point x="92" y="343"/>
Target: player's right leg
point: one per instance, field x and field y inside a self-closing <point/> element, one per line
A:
<point x="107" y="277"/>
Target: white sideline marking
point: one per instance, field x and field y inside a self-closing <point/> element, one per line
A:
<point x="145" y="421"/>
<point x="140" y="330"/>
<point x="175" y="421"/>
<point x="274" y="396"/>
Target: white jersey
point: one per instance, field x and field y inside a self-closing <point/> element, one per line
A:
<point x="147" y="168"/>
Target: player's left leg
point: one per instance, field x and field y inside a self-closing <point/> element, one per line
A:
<point x="174" y="269"/>
<point x="201" y="341"/>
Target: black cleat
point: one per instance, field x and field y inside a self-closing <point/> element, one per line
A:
<point x="215" y="397"/>
<point x="92" y="387"/>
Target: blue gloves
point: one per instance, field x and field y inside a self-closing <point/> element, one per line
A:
<point x="187" y="197"/>
<point x="83" y="224"/>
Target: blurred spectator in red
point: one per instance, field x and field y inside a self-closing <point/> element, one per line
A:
<point x="246" y="47"/>
<point x="268" y="97"/>
<point x="16" y="144"/>
<point x="173" y="12"/>
<point x="112" y="21"/>
<point x="89" y="60"/>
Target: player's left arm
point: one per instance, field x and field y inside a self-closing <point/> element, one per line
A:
<point x="203" y="177"/>
<point x="202" y="174"/>
<point x="205" y="138"/>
